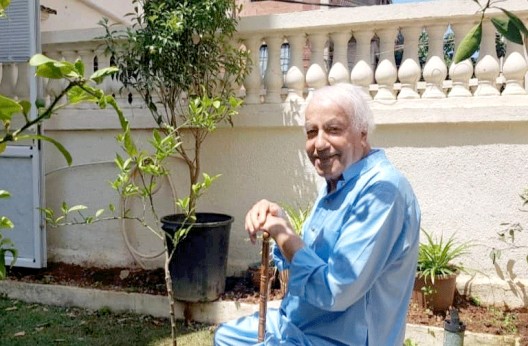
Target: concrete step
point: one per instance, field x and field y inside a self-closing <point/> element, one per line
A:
<point x="212" y="312"/>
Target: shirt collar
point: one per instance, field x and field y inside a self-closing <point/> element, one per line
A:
<point x="359" y="167"/>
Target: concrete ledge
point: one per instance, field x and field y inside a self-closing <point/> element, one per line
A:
<point x="214" y="312"/>
<point x="434" y="336"/>
<point x="157" y="306"/>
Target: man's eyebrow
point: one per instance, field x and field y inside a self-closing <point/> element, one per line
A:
<point x="334" y="121"/>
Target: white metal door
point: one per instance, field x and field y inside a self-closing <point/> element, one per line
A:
<point x="20" y="174"/>
<point x="20" y="165"/>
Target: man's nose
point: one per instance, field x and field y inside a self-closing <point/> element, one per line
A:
<point x="321" y="142"/>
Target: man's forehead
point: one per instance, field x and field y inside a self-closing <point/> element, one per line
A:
<point x="326" y="111"/>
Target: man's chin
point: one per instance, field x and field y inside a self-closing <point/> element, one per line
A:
<point x="328" y="176"/>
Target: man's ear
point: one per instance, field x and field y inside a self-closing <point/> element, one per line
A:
<point x="364" y="136"/>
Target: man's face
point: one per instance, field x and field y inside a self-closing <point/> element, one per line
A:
<point x="332" y="143"/>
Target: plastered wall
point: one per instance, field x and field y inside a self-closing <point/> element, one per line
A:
<point x="468" y="178"/>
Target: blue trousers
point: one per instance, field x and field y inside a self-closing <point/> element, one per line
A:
<point x="244" y="331"/>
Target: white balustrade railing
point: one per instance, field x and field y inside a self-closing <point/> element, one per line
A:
<point x="380" y="48"/>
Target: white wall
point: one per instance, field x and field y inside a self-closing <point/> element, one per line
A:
<point x="467" y="176"/>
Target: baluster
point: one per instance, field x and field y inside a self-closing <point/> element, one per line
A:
<point x="435" y="70"/>
<point x="22" y="81"/>
<point x="316" y="74"/>
<point x="294" y="80"/>
<point x="460" y="73"/>
<point x="253" y="80"/>
<point x="114" y="84"/>
<point x="103" y="61"/>
<point x="7" y="85"/>
<point x="362" y="73"/>
<point x="273" y="80"/>
<point x="487" y="68"/>
<point x="386" y="72"/>
<point x="339" y="72"/>
<point x="514" y="69"/>
<point x="409" y="72"/>
<point x="70" y="55"/>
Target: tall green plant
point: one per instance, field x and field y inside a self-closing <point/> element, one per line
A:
<point x="181" y="58"/>
<point x="436" y="256"/>
<point x="139" y="171"/>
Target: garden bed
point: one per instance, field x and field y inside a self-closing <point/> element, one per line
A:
<point x="478" y="318"/>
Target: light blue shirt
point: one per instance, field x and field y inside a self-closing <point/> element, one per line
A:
<point x="351" y="283"/>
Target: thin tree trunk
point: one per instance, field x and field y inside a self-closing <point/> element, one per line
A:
<point x="170" y="296"/>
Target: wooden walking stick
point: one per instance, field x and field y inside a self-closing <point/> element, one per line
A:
<point x="264" y="279"/>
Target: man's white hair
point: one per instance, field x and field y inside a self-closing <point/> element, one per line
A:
<point x="353" y="100"/>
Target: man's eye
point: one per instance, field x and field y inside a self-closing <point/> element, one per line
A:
<point x="311" y="133"/>
<point x="334" y="130"/>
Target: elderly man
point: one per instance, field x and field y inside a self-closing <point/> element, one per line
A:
<point x="352" y="272"/>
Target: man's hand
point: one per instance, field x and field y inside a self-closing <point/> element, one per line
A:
<point x="259" y="217"/>
<point x="269" y="217"/>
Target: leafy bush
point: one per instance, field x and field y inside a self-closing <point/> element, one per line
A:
<point x="435" y="257"/>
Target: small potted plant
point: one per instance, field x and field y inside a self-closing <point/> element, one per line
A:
<point x="297" y="217"/>
<point x="435" y="282"/>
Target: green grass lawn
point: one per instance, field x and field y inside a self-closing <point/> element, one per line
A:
<point x="35" y="324"/>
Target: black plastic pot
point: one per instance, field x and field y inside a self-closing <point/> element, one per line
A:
<point x="199" y="263"/>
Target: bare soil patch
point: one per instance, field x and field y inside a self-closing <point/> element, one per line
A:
<point x="478" y="318"/>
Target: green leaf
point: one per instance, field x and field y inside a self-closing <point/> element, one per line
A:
<point x="26" y="107"/>
<point x="4" y="4"/>
<point x="99" y="75"/>
<point x="507" y="29"/>
<point x="59" y="146"/>
<point x="3" y="271"/>
<point x="77" y="208"/>
<point x="49" y="71"/>
<point x="64" y="208"/>
<point x="4" y="194"/>
<point x="40" y="103"/>
<point x="469" y="44"/>
<point x="3" y="147"/>
<point x="79" y="67"/>
<point x="40" y="59"/>
<point x="8" y="107"/>
<point x="78" y="95"/>
<point x="516" y="21"/>
<point x="53" y="69"/>
<point x="5" y="222"/>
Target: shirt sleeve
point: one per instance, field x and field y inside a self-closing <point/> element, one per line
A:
<point x="280" y="262"/>
<point x="364" y="248"/>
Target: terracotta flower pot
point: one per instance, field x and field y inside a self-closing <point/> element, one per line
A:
<point x="438" y="296"/>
